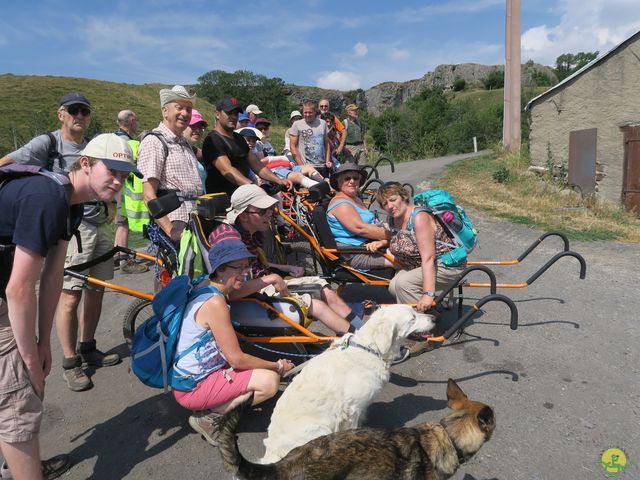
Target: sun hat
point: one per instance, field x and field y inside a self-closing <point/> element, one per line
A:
<point x="196" y="117"/>
<point x="242" y="117"/>
<point x="250" y="132"/>
<point x="253" y="109"/>
<point x="114" y="152"/>
<point x="72" y="98"/>
<point x="228" y="105"/>
<point x="227" y="250"/>
<point x="178" y="92"/>
<point x="295" y="113"/>
<point x="345" y="167"/>
<point x="246" y="196"/>
<point x="351" y="106"/>
<point x="262" y="120"/>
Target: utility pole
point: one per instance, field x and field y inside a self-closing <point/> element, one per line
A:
<point x="511" y="122"/>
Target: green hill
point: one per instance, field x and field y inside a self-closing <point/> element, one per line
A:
<point x="33" y="101"/>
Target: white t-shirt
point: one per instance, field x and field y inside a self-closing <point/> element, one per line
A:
<point x="310" y="139"/>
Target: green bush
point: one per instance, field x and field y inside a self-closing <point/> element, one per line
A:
<point x="494" y="80"/>
<point x="459" y="84"/>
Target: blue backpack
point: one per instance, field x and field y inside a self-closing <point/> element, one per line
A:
<point x="459" y="227"/>
<point x="154" y="343"/>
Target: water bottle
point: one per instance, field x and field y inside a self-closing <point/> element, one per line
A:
<point x="452" y="221"/>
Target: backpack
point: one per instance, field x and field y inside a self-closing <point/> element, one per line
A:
<point x="159" y="136"/>
<point x="154" y="343"/>
<point x="465" y="238"/>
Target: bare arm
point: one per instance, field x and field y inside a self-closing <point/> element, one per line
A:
<point x="425" y="235"/>
<point x="350" y="219"/>
<point x="215" y="314"/>
<point x="327" y="152"/>
<point x="228" y="171"/>
<point x="263" y="172"/>
<point x="22" y="304"/>
<point x="343" y="141"/>
<point x="295" y="150"/>
<point x="6" y="160"/>
<point x="257" y="284"/>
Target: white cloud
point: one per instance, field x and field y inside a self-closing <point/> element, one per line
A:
<point x="339" y="80"/>
<point x="399" y="54"/>
<point x="584" y="26"/>
<point x="360" y="49"/>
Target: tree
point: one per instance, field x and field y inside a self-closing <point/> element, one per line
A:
<point x="247" y="87"/>
<point x="568" y="63"/>
<point x="494" y="80"/>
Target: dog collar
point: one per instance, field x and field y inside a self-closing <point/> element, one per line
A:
<point x="350" y="342"/>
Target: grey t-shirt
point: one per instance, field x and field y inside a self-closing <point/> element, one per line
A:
<point x="36" y="152"/>
<point x="310" y="139"/>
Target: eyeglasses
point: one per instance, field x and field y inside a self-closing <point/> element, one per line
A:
<point x="243" y="268"/>
<point x="259" y="211"/>
<point x="78" y="108"/>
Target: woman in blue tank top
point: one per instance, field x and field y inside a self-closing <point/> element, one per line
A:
<point x="351" y="223"/>
<point x="225" y="375"/>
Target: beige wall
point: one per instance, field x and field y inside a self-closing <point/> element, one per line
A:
<point x="605" y="97"/>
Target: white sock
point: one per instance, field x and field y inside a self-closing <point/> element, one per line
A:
<point x="307" y="182"/>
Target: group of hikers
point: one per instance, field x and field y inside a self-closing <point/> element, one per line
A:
<point x="57" y="194"/>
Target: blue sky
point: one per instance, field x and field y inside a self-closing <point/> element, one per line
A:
<point x="327" y="43"/>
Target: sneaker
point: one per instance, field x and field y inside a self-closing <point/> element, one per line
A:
<point x="130" y="266"/>
<point x="93" y="357"/>
<point x="52" y="468"/>
<point x="208" y="424"/>
<point x="77" y="380"/>
<point x="404" y="355"/>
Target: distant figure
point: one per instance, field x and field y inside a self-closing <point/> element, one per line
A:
<point x="293" y="117"/>
<point x="309" y="141"/>
<point x="243" y="121"/>
<point x="254" y="112"/>
<point x="355" y="145"/>
<point x="325" y="109"/>
<point x="194" y="133"/>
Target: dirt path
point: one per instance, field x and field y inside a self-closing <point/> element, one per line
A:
<point x="565" y="385"/>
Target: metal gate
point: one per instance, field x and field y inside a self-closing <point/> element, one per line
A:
<point x="631" y="170"/>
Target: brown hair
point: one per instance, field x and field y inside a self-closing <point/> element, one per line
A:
<point x="75" y="166"/>
<point x="309" y="103"/>
<point x="392" y="188"/>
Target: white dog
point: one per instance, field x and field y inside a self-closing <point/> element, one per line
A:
<point x="334" y="389"/>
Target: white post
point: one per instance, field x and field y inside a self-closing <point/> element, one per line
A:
<point x="475" y="145"/>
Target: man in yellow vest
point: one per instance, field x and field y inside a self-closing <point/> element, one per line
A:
<point x="132" y="213"/>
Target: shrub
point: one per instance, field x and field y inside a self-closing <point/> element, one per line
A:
<point x="459" y="84"/>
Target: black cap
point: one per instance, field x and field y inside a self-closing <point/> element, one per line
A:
<point x="228" y="105"/>
<point x="72" y="98"/>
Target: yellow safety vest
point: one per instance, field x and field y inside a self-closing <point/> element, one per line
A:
<point x="133" y="206"/>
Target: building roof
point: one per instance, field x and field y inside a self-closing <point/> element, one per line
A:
<point x="593" y="63"/>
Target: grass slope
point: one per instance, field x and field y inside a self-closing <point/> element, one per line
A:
<point x="33" y="101"/>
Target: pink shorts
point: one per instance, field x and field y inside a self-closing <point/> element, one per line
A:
<point x="215" y="390"/>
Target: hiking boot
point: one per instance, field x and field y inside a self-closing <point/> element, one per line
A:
<point x="77" y="380"/>
<point x="129" y="266"/>
<point x="51" y="468"/>
<point x="404" y="355"/>
<point x="95" y="358"/>
<point x="415" y="347"/>
<point x="208" y="424"/>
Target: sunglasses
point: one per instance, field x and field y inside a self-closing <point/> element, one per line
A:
<point x="243" y="268"/>
<point x="78" y="108"/>
<point x="259" y="211"/>
<point x="348" y="178"/>
<point x="198" y="126"/>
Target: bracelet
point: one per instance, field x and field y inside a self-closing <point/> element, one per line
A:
<point x="279" y="367"/>
<point x="429" y="293"/>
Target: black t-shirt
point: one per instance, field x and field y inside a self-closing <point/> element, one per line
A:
<point x="35" y="215"/>
<point x="216" y="145"/>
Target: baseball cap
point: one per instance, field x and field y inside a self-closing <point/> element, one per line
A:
<point x="242" y="117"/>
<point x="295" y="113"/>
<point x="196" y="117"/>
<point x="253" y="109"/>
<point x="227" y="250"/>
<point x="177" y="92"/>
<point x="114" y="152"/>
<point x="250" y="132"/>
<point x="351" y="106"/>
<point x="262" y="120"/>
<point x="245" y="196"/>
<point x="228" y="105"/>
<point x="72" y="98"/>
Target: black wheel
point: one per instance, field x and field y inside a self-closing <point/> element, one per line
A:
<point x="303" y="255"/>
<point x="138" y="312"/>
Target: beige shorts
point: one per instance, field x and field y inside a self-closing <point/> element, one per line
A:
<point x="96" y="240"/>
<point x="20" y="407"/>
<point x="291" y="282"/>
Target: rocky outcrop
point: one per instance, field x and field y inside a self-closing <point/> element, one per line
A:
<point x="392" y="94"/>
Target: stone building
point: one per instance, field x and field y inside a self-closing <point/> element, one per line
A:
<point x="592" y="114"/>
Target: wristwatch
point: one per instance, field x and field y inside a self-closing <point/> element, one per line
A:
<point x="429" y="293"/>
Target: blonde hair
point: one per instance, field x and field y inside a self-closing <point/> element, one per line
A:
<point x="392" y="188"/>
